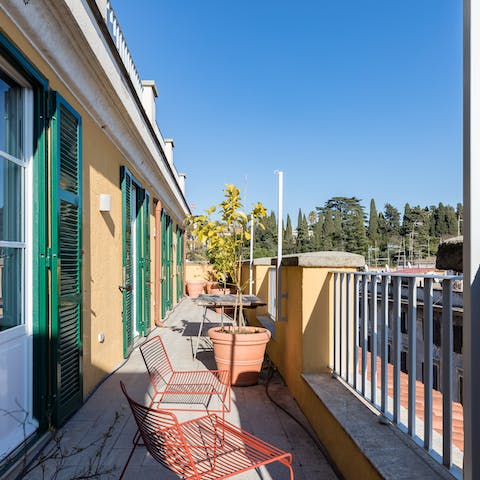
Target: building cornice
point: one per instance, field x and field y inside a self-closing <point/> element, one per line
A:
<point x="71" y="37"/>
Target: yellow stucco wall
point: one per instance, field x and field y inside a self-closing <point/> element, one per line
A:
<point x="198" y="271"/>
<point x="102" y="232"/>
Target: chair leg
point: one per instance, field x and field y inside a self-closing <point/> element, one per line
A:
<point x="291" y="472"/>
<point x="136" y="438"/>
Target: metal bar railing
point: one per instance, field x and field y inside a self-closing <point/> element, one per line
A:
<point x="373" y="339"/>
<point x="447" y="349"/>
<point x="347" y="326"/>
<point x="364" y="331"/>
<point x="335" y="321"/>
<point x="372" y="329"/>
<point x="428" y="362"/>
<point x="341" y="322"/>
<point x="356" y="326"/>
<point x="412" y="354"/>
<point x="384" y="344"/>
<point x="121" y="44"/>
<point x="397" y="306"/>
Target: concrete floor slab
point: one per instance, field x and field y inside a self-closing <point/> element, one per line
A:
<point x="105" y="421"/>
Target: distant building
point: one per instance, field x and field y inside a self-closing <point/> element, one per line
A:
<point x="457" y="359"/>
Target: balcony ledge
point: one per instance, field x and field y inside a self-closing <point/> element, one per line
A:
<point x="391" y="452"/>
<point x="317" y="259"/>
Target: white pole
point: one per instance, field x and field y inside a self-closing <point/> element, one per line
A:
<point x="280" y="241"/>
<point x="471" y="237"/>
<point x="251" y="257"/>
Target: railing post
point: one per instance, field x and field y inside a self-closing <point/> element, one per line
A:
<point x="335" y="322"/>
<point x="347" y="326"/>
<point x="428" y="361"/>
<point x="364" y="331"/>
<point x="412" y="353"/>
<point x="356" y="323"/>
<point x="447" y="351"/>
<point x="373" y="338"/>
<point x="340" y="321"/>
<point x="384" y="343"/>
<point x="397" y="305"/>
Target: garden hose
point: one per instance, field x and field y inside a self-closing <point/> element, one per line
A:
<point x="271" y="370"/>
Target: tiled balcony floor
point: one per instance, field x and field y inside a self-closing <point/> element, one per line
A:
<point x="251" y="409"/>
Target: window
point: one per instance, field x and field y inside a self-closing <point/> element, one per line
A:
<point x="403" y="322"/>
<point x="437" y="333"/>
<point x="272" y="292"/>
<point x="457" y="338"/>
<point x="13" y="162"/>
<point x="435" y="380"/>
<point x="403" y="362"/>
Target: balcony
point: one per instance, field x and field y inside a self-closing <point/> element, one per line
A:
<point x="356" y="406"/>
<point x="96" y="441"/>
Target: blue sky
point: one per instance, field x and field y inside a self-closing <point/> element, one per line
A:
<point x="348" y="98"/>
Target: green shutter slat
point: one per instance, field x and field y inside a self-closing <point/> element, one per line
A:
<point x="66" y="259"/>
<point x="127" y="316"/>
<point x="147" y="286"/>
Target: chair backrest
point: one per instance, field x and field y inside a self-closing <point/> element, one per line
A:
<point x="156" y="360"/>
<point x="162" y="435"/>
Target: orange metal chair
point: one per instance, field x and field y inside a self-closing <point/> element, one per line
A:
<point x="205" y="448"/>
<point x="184" y="390"/>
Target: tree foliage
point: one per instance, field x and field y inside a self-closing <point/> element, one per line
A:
<point x="342" y="225"/>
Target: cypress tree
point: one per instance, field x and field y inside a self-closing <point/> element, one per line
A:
<point x="303" y="240"/>
<point x="373" y="233"/>
<point x="288" y="240"/>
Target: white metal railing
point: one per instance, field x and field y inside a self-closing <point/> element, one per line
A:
<point x="368" y="310"/>
<point x="121" y="44"/>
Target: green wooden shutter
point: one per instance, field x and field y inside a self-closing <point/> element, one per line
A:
<point x="127" y="260"/>
<point x="66" y="242"/>
<point x="164" y="263"/>
<point x="170" y="263"/>
<point x="179" y="263"/>
<point x="146" y="262"/>
<point x="181" y="250"/>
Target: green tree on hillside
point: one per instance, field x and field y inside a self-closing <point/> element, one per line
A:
<point x="303" y="243"/>
<point x="345" y="217"/>
<point x="288" y="240"/>
<point x="373" y="230"/>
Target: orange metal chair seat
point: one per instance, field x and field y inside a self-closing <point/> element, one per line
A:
<point x="184" y="390"/>
<point x="205" y="448"/>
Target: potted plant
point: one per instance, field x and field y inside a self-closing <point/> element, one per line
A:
<point x="225" y="229"/>
<point x="195" y="287"/>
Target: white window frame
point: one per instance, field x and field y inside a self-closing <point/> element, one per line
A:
<point x="22" y="334"/>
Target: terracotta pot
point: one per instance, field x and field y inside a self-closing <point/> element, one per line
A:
<point x="240" y="353"/>
<point x="211" y="285"/>
<point x="195" y="288"/>
<point x="219" y="291"/>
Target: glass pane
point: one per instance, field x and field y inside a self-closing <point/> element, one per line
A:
<point x="11" y="117"/>
<point x="11" y="287"/>
<point x="11" y="205"/>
